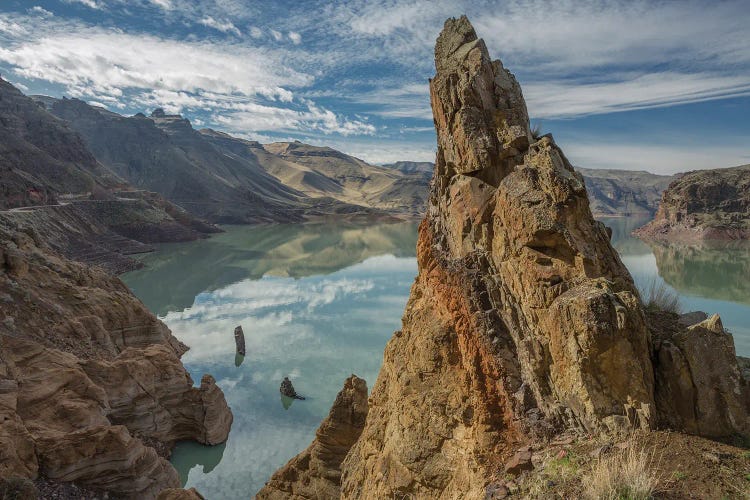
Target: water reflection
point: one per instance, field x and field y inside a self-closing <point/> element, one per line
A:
<point x="717" y="270"/>
<point x="177" y="272"/>
<point x="711" y="277"/>
<point x="286" y="401"/>
<point x="189" y="454"/>
<point x="316" y="303"/>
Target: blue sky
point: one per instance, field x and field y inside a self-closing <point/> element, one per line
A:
<point x="661" y="86"/>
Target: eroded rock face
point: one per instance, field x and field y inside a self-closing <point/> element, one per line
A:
<point x="86" y="374"/>
<point x="522" y="319"/>
<point x="703" y="205"/>
<point x="316" y="472"/>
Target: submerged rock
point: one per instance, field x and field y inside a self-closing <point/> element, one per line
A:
<point x="239" y="340"/>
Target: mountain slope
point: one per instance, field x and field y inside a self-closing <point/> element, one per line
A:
<point x="623" y="192"/>
<point x="163" y="153"/>
<point x="315" y="169"/>
<point x="54" y="188"/>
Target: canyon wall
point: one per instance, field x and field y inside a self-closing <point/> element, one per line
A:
<point x="703" y="205"/>
<point x="92" y="389"/>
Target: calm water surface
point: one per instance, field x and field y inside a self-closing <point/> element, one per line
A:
<point x="319" y="302"/>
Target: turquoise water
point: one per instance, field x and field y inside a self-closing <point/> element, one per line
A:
<point x="316" y="303"/>
<point x="319" y="302"/>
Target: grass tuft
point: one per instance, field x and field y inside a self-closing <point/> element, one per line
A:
<point x="628" y="475"/>
<point x="536" y="131"/>
<point x="657" y="296"/>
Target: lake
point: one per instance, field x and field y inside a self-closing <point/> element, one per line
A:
<point x="318" y="302"/>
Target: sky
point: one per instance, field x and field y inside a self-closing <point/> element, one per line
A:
<point x="658" y="86"/>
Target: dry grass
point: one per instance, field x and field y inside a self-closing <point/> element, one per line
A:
<point x="536" y="131"/>
<point x="658" y="296"/>
<point x="626" y="475"/>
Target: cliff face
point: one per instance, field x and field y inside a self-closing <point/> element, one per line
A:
<point x="90" y="380"/>
<point x="703" y="205"/>
<point x="623" y="192"/>
<point x="522" y="322"/>
<point x="52" y="185"/>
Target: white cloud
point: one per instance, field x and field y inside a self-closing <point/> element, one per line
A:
<point x="295" y="37"/>
<point x="556" y="99"/>
<point x="256" y="32"/>
<point x="656" y="158"/>
<point x="223" y="26"/>
<point x="406" y="101"/>
<point x="41" y="11"/>
<point x="253" y="117"/>
<point x="277" y="35"/>
<point x="92" y="4"/>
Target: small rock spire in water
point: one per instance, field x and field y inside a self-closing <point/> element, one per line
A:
<point x="239" y="339"/>
<point x="287" y="389"/>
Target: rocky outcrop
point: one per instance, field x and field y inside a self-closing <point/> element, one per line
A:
<point x="700" y="387"/>
<point x="703" y="205"/>
<point x="316" y="472"/>
<point x="88" y="377"/>
<point x="522" y="322"/>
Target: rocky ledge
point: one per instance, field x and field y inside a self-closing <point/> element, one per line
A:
<point x="89" y="378"/>
<point x="523" y="324"/>
<point x="703" y="205"/>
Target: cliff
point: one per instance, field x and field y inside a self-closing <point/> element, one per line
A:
<point x="623" y="192"/>
<point x="92" y="390"/>
<point x="522" y="323"/>
<point x="703" y="205"/>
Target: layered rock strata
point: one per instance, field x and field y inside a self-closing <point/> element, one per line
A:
<point x="522" y="322"/>
<point x="88" y="376"/>
<point x="316" y="472"/>
<point x="703" y="205"/>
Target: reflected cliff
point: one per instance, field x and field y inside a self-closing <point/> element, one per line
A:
<point x="710" y="277"/>
<point x="176" y="273"/>
<point x="719" y="270"/>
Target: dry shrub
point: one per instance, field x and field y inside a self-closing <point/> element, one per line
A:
<point x="630" y="474"/>
<point x="658" y="296"/>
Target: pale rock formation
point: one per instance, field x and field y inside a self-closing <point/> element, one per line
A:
<point x="316" y="472"/>
<point x="86" y="374"/>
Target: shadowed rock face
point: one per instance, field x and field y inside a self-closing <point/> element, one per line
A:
<point x="703" y="205"/>
<point x="522" y="321"/>
<point x="88" y="376"/>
